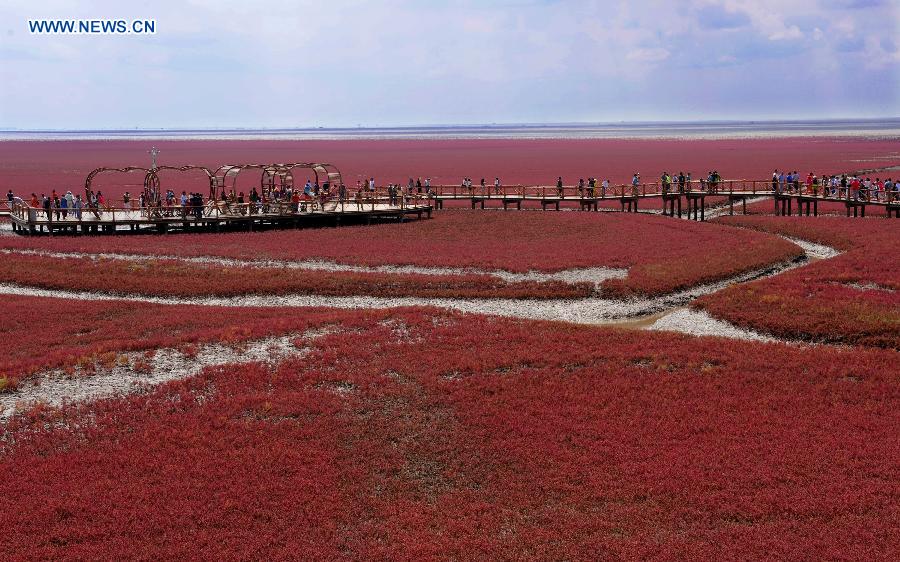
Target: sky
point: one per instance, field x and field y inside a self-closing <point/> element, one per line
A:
<point x="335" y="63"/>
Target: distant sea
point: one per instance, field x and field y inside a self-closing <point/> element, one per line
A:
<point x="872" y="128"/>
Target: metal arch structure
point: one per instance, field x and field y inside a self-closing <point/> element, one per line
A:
<point x="181" y="169"/>
<point x="272" y="176"/>
<point x="151" y="179"/>
<point x="220" y="177"/>
<point x="275" y="177"/>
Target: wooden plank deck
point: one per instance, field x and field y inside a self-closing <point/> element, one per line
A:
<point x="29" y="221"/>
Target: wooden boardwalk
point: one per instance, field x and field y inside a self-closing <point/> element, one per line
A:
<point x="379" y="206"/>
<point x="690" y="200"/>
<point x="211" y="217"/>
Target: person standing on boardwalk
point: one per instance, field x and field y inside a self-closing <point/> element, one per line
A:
<point x="603" y="187"/>
<point x="9" y="198"/>
<point x="559" y="187"/>
<point x="254" y="200"/>
<point x="497" y="185"/>
<point x="635" y="181"/>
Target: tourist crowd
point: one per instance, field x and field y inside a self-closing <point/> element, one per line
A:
<point x="278" y="198"/>
<point x="845" y="186"/>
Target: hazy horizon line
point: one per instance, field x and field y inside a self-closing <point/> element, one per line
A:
<point x="497" y="125"/>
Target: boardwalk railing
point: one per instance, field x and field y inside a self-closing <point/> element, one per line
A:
<point x="215" y="209"/>
<point x="30" y="219"/>
<point x="738" y="187"/>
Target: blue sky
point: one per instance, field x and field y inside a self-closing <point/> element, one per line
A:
<point x="215" y="63"/>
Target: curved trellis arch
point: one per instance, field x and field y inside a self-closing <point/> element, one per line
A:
<point x="151" y="179"/>
<point x="272" y="175"/>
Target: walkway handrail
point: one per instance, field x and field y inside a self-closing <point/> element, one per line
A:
<point x="26" y="213"/>
<point x="722" y="187"/>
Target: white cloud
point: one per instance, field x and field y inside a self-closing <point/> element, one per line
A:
<point x="785" y="32"/>
<point x="656" y="54"/>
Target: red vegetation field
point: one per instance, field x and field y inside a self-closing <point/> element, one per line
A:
<point x="662" y="254"/>
<point x="436" y="435"/>
<point x="839" y="232"/>
<point x="41" y="166"/>
<point x="767" y="207"/>
<point x="852" y="298"/>
<point x="172" y="278"/>
<point x="71" y="330"/>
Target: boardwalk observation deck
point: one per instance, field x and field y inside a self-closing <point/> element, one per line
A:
<point x="275" y="202"/>
<point x="213" y="216"/>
